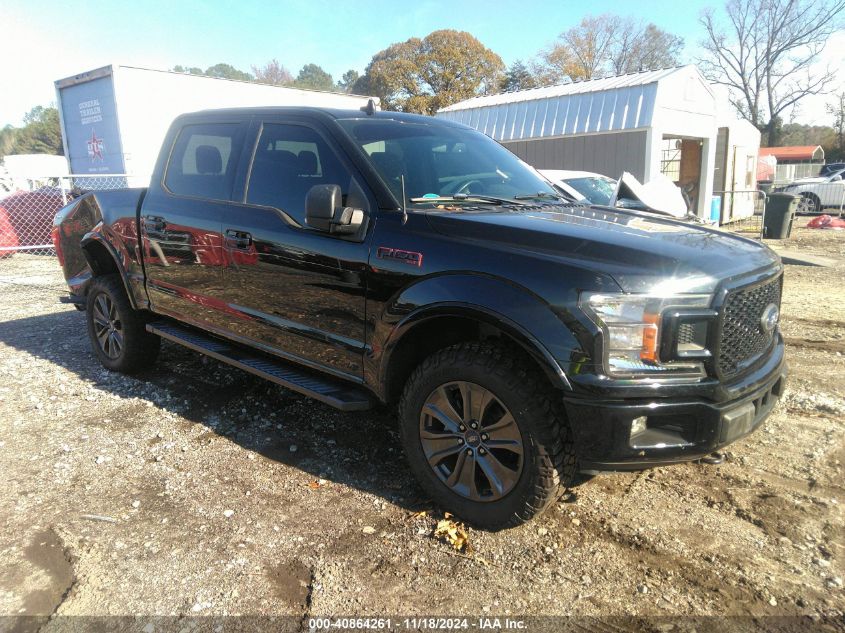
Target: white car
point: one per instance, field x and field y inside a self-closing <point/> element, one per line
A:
<point x="583" y="185"/>
<point x="660" y="195"/>
<point x="819" y="193"/>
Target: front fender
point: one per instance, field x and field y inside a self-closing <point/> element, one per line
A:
<point x="522" y="315"/>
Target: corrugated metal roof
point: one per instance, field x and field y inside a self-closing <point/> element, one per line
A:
<point x="623" y="102"/>
<point x="572" y="88"/>
<point x="793" y="152"/>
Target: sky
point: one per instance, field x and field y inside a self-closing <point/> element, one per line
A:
<point x="44" y="40"/>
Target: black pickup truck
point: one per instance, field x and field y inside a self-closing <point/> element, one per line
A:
<point x="363" y="257"/>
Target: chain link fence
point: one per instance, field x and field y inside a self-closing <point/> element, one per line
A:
<point x="744" y="211"/>
<point x="28" y="261"/>
<point x="790" y="172"/>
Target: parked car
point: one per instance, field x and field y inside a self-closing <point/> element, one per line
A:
<point x="819" y="193"/>
<point x="583" y="185"/>
<point x="381" y="257"/>
<point x="658" y="196"/>
<point x="831" y="168"/>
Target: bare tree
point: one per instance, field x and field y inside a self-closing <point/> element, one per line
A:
<point x="272" y="73"/>
<point x="637" y="47"/>
<point x="767" y="53"/>
<point x="837" y="109"/>
<point x="582" y="51"/>
<point x="609" y="44"/>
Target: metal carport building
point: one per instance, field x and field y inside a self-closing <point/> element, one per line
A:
<point x="644" y="123"/>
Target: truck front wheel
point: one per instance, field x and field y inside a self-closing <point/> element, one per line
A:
<point x="484" y="436"/>
<point x="118" y="333"/>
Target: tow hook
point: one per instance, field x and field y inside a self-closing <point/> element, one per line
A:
<point x="713" y="458"/>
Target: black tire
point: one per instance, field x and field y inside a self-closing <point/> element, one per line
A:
<point x="548" y="461"/>
<point x="120" y="340"/>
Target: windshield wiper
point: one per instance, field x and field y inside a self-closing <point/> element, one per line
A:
<point x="539" y="194"/>
<point x="464" y="197"/>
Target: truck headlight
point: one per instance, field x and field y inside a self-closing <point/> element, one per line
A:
<point x="631" y="328"/>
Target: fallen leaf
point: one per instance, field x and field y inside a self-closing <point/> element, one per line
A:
<point x="453" y="533"/>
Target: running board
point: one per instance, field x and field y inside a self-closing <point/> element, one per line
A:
<point x="333" y="392"/>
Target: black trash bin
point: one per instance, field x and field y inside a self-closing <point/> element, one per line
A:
<point x="780" y="213"/>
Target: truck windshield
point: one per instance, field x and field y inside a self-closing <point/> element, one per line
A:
<point x="442" y="161"/>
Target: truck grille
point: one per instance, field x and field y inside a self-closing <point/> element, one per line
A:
<point x="686" y="334"/>
<point x="743" y="338"/>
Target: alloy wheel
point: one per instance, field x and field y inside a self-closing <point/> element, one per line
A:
<point x="471" y="441"/>
<point x="107" y="326"/>
<point x="806" y="205"/>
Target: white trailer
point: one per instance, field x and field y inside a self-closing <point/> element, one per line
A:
<point x="114" y="118"/>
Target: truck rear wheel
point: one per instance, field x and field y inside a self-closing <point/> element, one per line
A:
<point x="484" y="435"/>
<point x="118" y="333"/>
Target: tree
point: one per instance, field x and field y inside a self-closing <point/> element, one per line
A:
<point x="272" y="73"/>
<point x="425" y="75"/>
<point x="767" y="54"/>
<point x="41" y="133"/>
<point x="518" y="77"/>
<point x="582" y="52"/>
<point x="193" y="70"/>
<point x="226" y="71"/>
<point x="347" y="82"/>
<point x="800" y="134"/>
<point x="312" y="77"/>
<point x="837" y="109"/>
<point x="636" y="47"/>
<point x="7" y="140"/>
<point x="609" y="44"/>
<point x="223" y="71"/>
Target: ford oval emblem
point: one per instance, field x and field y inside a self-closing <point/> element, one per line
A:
<point x="769" y="318"/>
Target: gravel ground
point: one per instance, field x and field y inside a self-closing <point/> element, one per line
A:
<point x="197" y="489"/>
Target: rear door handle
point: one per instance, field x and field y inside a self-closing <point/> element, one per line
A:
<point x="154" y="223"/>
<point x="238" y="239"/>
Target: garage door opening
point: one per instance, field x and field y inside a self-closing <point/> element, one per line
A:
<point x="680" y="161"/>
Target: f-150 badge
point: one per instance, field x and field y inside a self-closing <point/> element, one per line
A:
<point x="406" y="257"/>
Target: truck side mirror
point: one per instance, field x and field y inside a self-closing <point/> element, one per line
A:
<point x="324" y="211"/>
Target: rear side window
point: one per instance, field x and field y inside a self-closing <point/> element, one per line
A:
<point x="203" y="161"/>
<point x="289" y="160"/>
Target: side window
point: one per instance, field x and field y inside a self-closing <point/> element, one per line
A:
<point x="203" y="161"/>
<point x="289" y="160"/>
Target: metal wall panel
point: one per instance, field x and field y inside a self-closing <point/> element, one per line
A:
<point x="609" y="154"/>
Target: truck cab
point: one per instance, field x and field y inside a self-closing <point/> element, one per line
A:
<point x="371" y="258"/>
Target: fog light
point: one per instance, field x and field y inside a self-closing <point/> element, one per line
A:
<point x="638" y="425"/>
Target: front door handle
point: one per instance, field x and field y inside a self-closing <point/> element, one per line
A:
<point x="240" y="240"/>
<point x="154" y="223"/>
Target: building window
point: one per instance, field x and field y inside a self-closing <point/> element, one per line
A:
<point x="670" y="159"/>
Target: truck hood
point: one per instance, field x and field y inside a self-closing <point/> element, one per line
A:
<point x="641" y="252"/>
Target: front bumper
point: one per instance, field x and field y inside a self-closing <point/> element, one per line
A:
<point x="676" y="429"/>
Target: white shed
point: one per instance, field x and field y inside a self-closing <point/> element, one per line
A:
<point x="737" y="150"/>
<point x="646" y="123"/>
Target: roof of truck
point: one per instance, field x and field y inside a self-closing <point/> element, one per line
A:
<point x="334" y="113"/>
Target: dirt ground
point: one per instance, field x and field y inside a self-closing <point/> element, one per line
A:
<point x="197" y="489"/>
